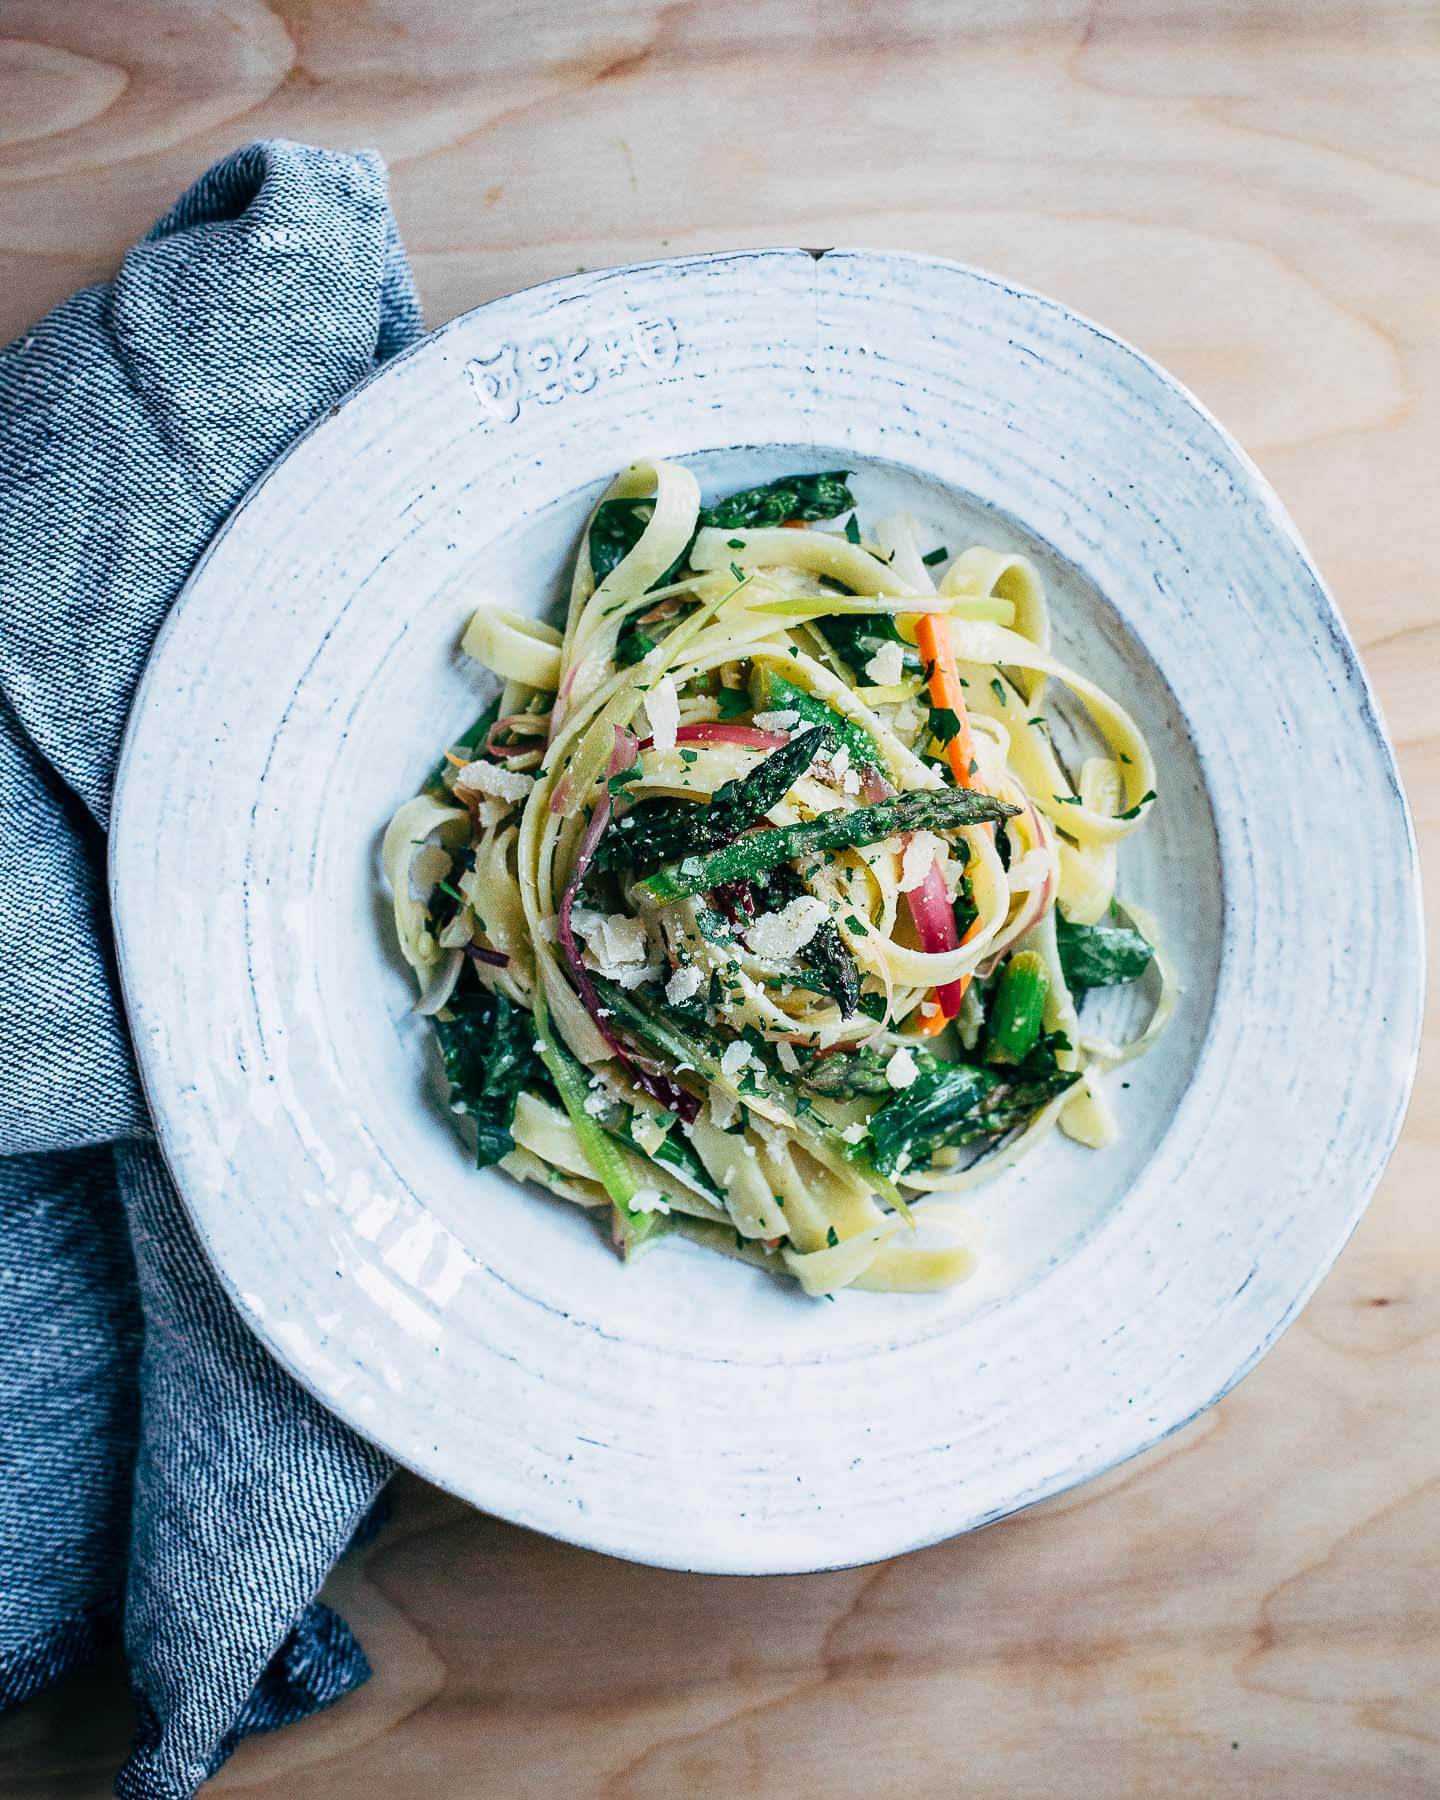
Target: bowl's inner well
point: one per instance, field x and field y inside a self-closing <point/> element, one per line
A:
<point x="1030" y="1216"/>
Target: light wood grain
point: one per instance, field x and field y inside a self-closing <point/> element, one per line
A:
<point x="1246" y="190"/>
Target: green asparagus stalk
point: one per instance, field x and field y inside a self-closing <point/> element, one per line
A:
<point x="933" y="809"/>
<point x="1017" y="1010"/>
<point x="601" y="1151"/>
<point x="655" y="830"/>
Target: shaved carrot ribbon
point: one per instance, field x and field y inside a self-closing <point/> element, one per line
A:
<point x="934" y="642"/>
<point x="933" y="639"/>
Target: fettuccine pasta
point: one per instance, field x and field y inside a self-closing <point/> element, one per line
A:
<point x="760" y="904"/>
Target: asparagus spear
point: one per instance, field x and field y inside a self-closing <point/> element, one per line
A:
<point x="934" y="809"/>
<point x="655" y="830"/>
<point x="572" y="1084"/>
<point x="1018" y="1009"/>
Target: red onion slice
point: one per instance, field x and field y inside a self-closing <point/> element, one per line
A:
<point x="934" y="918"/>
<point x="718" y="731"/>
<point x="659" y="1087"/>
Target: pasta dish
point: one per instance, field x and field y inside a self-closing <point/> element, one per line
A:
<point x="761" y="903"/>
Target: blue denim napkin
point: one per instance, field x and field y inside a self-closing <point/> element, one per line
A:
<point x="158" y="1473"/>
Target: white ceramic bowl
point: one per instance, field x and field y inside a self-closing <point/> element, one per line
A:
<point x="688" y="1411"/>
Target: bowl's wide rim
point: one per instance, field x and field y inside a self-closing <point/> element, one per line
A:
<point x="129" y="819"/>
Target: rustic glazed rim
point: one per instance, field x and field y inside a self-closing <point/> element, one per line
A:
<point x="145" y="824"/>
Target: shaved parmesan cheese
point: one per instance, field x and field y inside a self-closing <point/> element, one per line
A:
<point x="850" y="781"/>
<point x="886" y="668"/>
<point x="624" y="938"/>
<point x="852" y="1134"/>
<point x="789" y="1061"/>
<point x="735" y="1058"/>
<point x="917" y="861"/>
<point x="662" y="708"/>
<point x="617" y="945"/>
<point x="900" y="1071"/>
<point x="632" y="976"/>
<point x="490" y="778"/>
<point x="684" y="984"/>
<point x="648" y="1200"/>
<point x="787" y="932"/>
<point x="784" y="720"/>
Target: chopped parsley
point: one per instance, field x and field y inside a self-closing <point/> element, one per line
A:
<point x="944" y="723"/>
<point x="935" y="557"/>
<point x="617" y="784"/>
<point x="732" y="702"/>
<point x="1133" y="812"/>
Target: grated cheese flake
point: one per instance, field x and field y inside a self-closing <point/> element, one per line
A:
<point x="662" y="708"/>
<point x="900" y="1071"/>
<point x="785" y="933"/>
<point x="917" y="861"/>
<point x="490" y="778"/>
<point x="684" y="984"/>
<point x="886" y="668"/>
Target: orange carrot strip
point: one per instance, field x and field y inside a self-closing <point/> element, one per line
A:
<point x="933" y="638"/>
<point x="933" y="1025"/>
<point x="934" y="641"/>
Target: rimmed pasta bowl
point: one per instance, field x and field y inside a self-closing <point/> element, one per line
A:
<point x="686" y="1408"/>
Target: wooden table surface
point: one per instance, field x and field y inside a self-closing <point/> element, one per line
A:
<point x="1247" y="190"/>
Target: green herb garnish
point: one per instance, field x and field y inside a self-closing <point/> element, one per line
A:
<point x="1133" y="812"/>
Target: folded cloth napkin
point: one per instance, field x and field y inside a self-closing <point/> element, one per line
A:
<point x="157" y="1470"/>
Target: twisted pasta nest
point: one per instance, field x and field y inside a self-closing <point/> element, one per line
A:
<point x="757" y="905"/>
